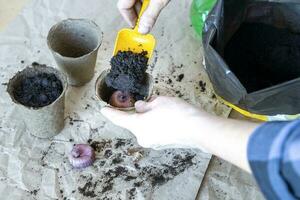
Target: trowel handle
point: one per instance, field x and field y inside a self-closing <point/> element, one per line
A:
<point x="144" y="6"/>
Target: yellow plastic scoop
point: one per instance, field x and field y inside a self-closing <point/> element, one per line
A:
<point x="131" y="39"/>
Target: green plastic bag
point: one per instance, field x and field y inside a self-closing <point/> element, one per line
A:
<point x="199" y="11"/>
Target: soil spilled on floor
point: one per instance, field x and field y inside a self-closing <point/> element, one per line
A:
<point x="128" y="73"/>
<point x="261" y="55"/>
<point x="116" y="167"/>
<point x="39" y="90"/>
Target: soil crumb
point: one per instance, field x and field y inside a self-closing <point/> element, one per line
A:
<point x="180" y="77"/>
<point x="128" y="73"/>
<point x="34" y="192"/>
<point x="99" y="146"/>
<point x="120" y="142"/>
<point x="202" y="86"/>
<point x="261" y="55"/>
<point x="39" y="90"/>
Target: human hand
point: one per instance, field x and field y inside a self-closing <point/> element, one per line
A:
<point x="162" y="121"/>
<point x="130" y="9"/>
<point x="169" y="120"/>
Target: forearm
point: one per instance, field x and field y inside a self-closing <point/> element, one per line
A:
<point x="226" y="138"/>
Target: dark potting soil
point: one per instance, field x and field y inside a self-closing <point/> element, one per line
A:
<point x="39" y="90"/>
<point x="128" y="73"/>
<point x="261" y="55"/>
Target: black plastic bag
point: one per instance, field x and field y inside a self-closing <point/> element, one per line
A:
<point x="221" y="24"/>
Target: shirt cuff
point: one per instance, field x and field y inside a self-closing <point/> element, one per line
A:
<point x="265" y="153"/>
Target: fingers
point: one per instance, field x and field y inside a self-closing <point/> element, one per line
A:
<point x="118" y="117"/>
<point x="150" y="15"/>
<point x="142" y="106"/>
<point x="145" y="106"/>
<point x="127" y="10"/>
<point x="125" y="119"/>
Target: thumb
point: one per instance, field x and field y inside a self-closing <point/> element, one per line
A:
<point x="150" y="15"/>
<point x="118" y="117"/>
<point x="142" y="106"/>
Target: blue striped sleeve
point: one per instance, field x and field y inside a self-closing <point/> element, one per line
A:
<point x="274" y="158"/>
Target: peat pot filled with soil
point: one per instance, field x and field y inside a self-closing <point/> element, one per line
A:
<point x="39" y="93"/>
<point x="126" y="82"/>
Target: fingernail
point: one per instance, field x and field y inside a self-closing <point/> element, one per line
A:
<point x="139" y="103"/>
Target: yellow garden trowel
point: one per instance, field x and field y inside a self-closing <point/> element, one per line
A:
<point x="131" y="39"/>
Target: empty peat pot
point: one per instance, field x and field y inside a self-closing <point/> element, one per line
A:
<point x="74" y="44"/>
<point x="39" y="93"/>
<point x="104" y="93"/>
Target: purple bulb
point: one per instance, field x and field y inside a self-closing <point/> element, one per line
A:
<point x="122" y="99"/>
<point x="82" y="155"/>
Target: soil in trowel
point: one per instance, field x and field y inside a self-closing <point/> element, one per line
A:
<point x="128" y="73"/>
<point x="261" y="55"/>
<point x="39" y="90"/>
